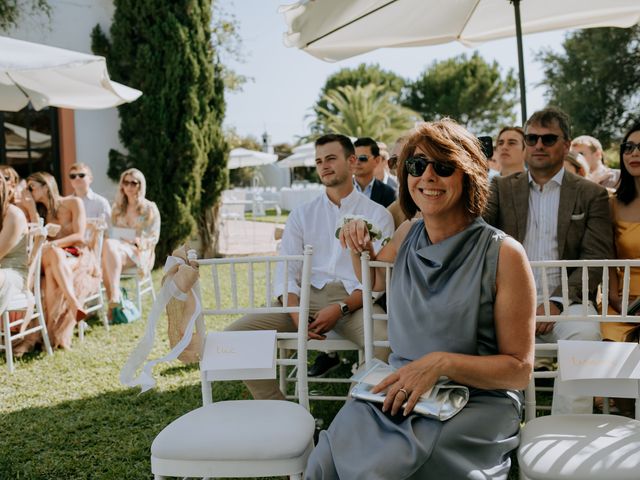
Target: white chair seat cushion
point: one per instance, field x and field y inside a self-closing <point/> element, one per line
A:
<point x="19" y="301"/>
<point x="237" y="430"/>
<point x="580" y="447"/>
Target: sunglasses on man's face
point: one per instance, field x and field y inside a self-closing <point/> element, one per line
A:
<point x="416" y="166"/>
<point x="130" y="183"/>
<point x="363" y="158"/>
<point x="548" y="139"/>
<point x="627" y="148"/>
<point x="73" y="176"/>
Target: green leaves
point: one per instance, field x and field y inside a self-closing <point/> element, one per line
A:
<point x="595" y="80"/>
<point x="469" y="90"/>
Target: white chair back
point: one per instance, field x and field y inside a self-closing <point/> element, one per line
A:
<point x="587" y="268"/>
<point x="254" y="275"/>
<point x="368" y="300"/>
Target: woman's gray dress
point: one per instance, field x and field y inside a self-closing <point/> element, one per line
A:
<point x="441" y="299"/>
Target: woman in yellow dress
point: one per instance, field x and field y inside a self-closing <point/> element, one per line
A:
<point x="626" y="224"/>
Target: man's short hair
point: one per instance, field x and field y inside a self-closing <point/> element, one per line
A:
<point x="512" y="129"/>
<point x="343" y="140"/>
<point x="81" y="166"/>
<point x="591" y="143"/>
<point x="368" y="142"/>
<point x="547" y="116"/>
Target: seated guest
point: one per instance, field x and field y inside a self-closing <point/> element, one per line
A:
<point x="95" y="206"/>
<point x="625" y="207"/>
<point x="394" y="209"/>
<point x="483" y="339"/>
<point x="576" y="164"/>
<point x="13" y="247"/>
<point x="131" y="211"/>
<point x="15" y="186"/>
<point x="336" y="293"/>
<point x="510" y="150"/>
<point x="556" y="215"/>
<point x="591" y="149"/>
<point x="382" y="171"/>
<point x="70" y="268"/>
<point x="368" y="155"/>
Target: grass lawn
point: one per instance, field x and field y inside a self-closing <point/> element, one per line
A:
<point x="68" y="416"/>
<point x="270" y="217"/>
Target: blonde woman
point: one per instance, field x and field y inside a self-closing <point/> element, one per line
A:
<point x="136" y="231"/>
<point x="70" y="268"/>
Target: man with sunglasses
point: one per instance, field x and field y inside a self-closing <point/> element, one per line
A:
<point x="336" y="293"/>
<point x="95" y="205"/>
<point x="368" y="156"/>
<point x="556" y="215"/>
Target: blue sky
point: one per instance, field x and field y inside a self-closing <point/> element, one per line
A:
<point x="286" y="81"/>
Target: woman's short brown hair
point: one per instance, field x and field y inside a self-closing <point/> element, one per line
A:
<point x="449" y="142"/>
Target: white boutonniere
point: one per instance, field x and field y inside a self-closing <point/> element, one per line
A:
<point x="374" y="232"/>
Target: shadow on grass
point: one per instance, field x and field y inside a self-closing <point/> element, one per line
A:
<point x="104" y="437"/>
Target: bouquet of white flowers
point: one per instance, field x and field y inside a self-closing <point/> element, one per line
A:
<point x="374" y="232"/>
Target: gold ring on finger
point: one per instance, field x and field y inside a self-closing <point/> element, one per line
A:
<point x="406" y="394"/>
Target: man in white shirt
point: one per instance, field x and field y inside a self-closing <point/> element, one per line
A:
<point x="336" y="294"/>
<point x="95" y="205"/>
<point x="556" y="215"/>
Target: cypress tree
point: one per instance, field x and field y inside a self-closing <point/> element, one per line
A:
<point x="173" y="132"/>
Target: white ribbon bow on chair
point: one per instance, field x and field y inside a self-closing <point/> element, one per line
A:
<point x="168" y="291"/>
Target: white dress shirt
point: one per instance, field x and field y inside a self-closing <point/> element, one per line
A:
<point x="366" y="190"/>
<point x="315" y="223"/>
<point x="96" y="205"/>
<point x="541" y="239"/>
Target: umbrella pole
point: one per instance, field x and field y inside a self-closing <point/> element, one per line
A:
<point x="523" y="89"/>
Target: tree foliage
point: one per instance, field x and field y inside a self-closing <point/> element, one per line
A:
<point x="360" y="76"/>
<point x="12" y="10"/>
<point x="173" y="132"/>
<point x="367" y="111"/>
<point x="596" y="80"/>
<point x="469" y="90"/>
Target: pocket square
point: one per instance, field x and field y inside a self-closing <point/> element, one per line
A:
<point x="577" y="216"/>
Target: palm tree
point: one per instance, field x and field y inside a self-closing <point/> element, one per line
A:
<point x="365" y="111"/>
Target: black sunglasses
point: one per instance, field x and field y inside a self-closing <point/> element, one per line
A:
<point x="132" y="183"/>
<point x="548" y="139"/>
<point x="416" y="166"/>
<point x="628" y="147"/>
<point x="363" y="158"/>
<point x="73" y="176"/>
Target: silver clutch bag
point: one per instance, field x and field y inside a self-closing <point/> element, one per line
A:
<point x="442" y="402"/>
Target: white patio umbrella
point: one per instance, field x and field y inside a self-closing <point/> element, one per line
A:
<point x="303" y="156"/>
<point x="336" y="29"/>
<point x="50" y="76"/>
<point x="242" y="157"/>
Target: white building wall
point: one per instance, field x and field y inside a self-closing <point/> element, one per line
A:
<point x="69" y="26"/>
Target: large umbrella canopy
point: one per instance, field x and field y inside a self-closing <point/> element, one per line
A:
<point x="303" y="156"/>
<point x="241" y="157"/>
<point x="50" y="76"/>
<point x="336" y="29"/>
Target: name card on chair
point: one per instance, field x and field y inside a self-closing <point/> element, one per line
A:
<point x="247" y="355"/>
<point x="610" y="369"/>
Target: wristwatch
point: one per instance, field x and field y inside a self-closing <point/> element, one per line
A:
<point x="344" y="308"/>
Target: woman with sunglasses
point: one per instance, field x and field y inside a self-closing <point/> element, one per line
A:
<point x="70" y="268"/>
<point x="13" y="247"/>
<point x="625" y="212"/>
<point x="134" y="213"/>
<point x="461" y="304"/>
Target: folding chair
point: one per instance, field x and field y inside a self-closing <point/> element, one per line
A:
<point x="581" y="445"/>
<point x="22" y="301"/>
<point x="144" y="284"/>
<point x="243" y="438"/>
<point x="95" y="302"/>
